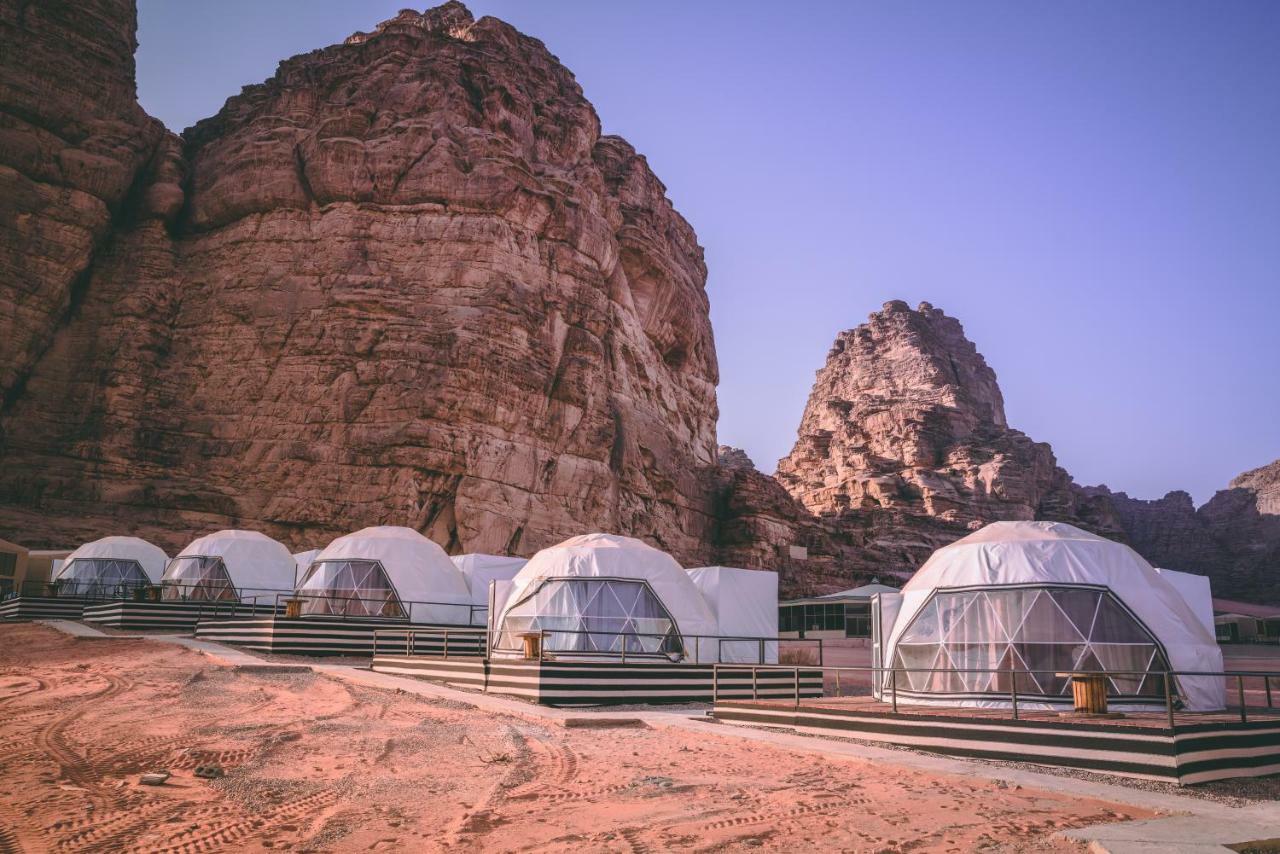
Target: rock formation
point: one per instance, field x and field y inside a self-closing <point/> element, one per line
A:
<point x="406" y="280"/>
<point x="1234" y="538"/>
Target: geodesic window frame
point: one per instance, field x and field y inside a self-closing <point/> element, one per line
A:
<point x="948" y="634"/>
<point x="213" y="583"/>
<point x="126" y="575"/>
<point x="358" y="598"/>
<point x="570" y="633"/>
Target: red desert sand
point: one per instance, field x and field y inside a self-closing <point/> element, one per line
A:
<point x="315" y="764"/>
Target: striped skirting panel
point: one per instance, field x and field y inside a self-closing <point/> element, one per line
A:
<point x="600" y="683"/>
<point x="177" y="617"/>
<point x="317" y="635"/>
<point x="42" y="608"/>
<point x="1194" y="753"/>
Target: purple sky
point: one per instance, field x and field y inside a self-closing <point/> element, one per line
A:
<point x="1093" y="188"/>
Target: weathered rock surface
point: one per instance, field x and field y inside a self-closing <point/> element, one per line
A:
<point x="1234" y="538"/>
<point x="907" y="416"/>
<point x="406" y="280"/>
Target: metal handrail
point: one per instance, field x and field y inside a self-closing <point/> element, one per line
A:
<point x="1171" y="701"/>
<point x="404" y="605"/>
<point x="410" y="638"/>
<point x="683" y="653"/>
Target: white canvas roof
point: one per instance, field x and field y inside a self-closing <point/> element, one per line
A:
<point x="1038" y="553"/>
<point x="611" y="556"/>
<point x="417" y="568"/>
<point x="1195" y="591"/>
<point x="254" y="561"/>
<point x="151" y="558"/>
<point x="745" y="605"/>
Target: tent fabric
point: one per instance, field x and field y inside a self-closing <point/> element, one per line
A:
<point x="1051" y="554"/>
<point x="608" y="556"/>
<point x="480" y="571"/>
<point x="863" y="592"/>
<point x="151" y="558"/>
<point x="744" y="603"/>
<point x="302" y="562"/>
<point x="255" y="563"/>
<point x="1195" y="591"/>
<point x="424" y="579"/>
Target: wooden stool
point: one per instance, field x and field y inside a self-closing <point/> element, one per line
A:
<point x="532" y="645"/>
<point x="1089" y="690"/>
<point x="292" y="609"/>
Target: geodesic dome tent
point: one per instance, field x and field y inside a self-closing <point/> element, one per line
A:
<point x="480" y="570"/>
<point x="109" y="567"/>
<point x="227" y="566"/>
<point x="601" y="595"/>
<point x="386" y="571"/>
<point x="1022" y="604"/>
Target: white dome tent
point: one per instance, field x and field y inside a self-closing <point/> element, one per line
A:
<point x="602" y="595"/>
<point x="386" y="571"/>
<point x="229" y="566"/>
<point x="1032" y="600"/>
<point x="480" y="570"/>
<point x="110" y="567"/>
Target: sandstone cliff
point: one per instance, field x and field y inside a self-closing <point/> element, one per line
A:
<point x="406" y="280"/>
<point x="1234" y="538"/>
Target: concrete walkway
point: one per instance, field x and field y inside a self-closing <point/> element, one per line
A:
<point x="1199" y="825"/>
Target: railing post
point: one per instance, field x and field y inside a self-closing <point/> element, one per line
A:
<point x="762" y="650"/>
<point x="893" y="688"/>
<point x="796" y="673"/>
<point x="446" y="643"/>
<point x="819" y="652"/>
<point x="1168" y="699"/>
<point x="1244" y="715"/>
<point x="1013" y="691"/>
<point x="755" y="691"/>
<point x="1266" y="682"/>
<point x="838" y="683"/>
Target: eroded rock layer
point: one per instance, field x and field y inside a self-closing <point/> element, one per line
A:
<point x="406" y="280"/>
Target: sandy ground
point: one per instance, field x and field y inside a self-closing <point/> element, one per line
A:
<point x="316" y="764"/>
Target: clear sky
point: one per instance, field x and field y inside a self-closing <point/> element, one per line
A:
<point x="1093" y="188"/>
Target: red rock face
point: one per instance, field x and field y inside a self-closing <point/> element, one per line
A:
<point x="404" y="281"/>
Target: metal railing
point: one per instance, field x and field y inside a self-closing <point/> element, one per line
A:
<point x="470" y="643"/>
<point x="394" y="609"/>
<point x="1171" y="702"/>
<point x="673" y="655"/>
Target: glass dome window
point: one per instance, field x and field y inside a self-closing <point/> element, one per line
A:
<point x="352" y="588"/>
<point x="99" y="578"/>
<point x="593" y="615"/>
<point x="1023" y="638"/>
<point x="203" y="579"/>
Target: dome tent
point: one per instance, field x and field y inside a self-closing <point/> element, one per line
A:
<point x="601" y="594"/>
<point x="111" y="566"/>
<point x="1039" y="599"/>
<point x="386" y="571"/>
<point x="227" y="565"/>
<point x="480" y="570"/>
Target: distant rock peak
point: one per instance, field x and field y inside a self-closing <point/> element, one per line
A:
<point x="452" y="19"/>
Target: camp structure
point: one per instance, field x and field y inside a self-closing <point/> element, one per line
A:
<point x="846" y="614"/>
<point x="744" y="603"/>
<point x="604" y="619"/>
<point x="371" y="581"/>
<point x="480" y="571"/>
<point x="106" y="569"/>
<point x="220" y="575"/>
<point x="302" y="562"/>
<point x="1023" y="605"/>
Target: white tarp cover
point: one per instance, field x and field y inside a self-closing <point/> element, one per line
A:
<point x="302" y="562"/>
<point x="608" y="556"/>
<point x="1195" y="590"/>
<point x="424" y="578"/>
<point x="255" y="563"/>
<point x="745" y="605"/>
<point x="151" y="558"/>
<point x="480" y="571"/>
<point x="1049" y="553"/>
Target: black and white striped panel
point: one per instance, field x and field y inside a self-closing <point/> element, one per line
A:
<point x="42" y="608"/>
<point x="564" y="683"/>
<point x="334" y="636"/>
<point x="469" y="672"/>
<point x="1212" y="751"/>
<point x="156" y="616"/>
